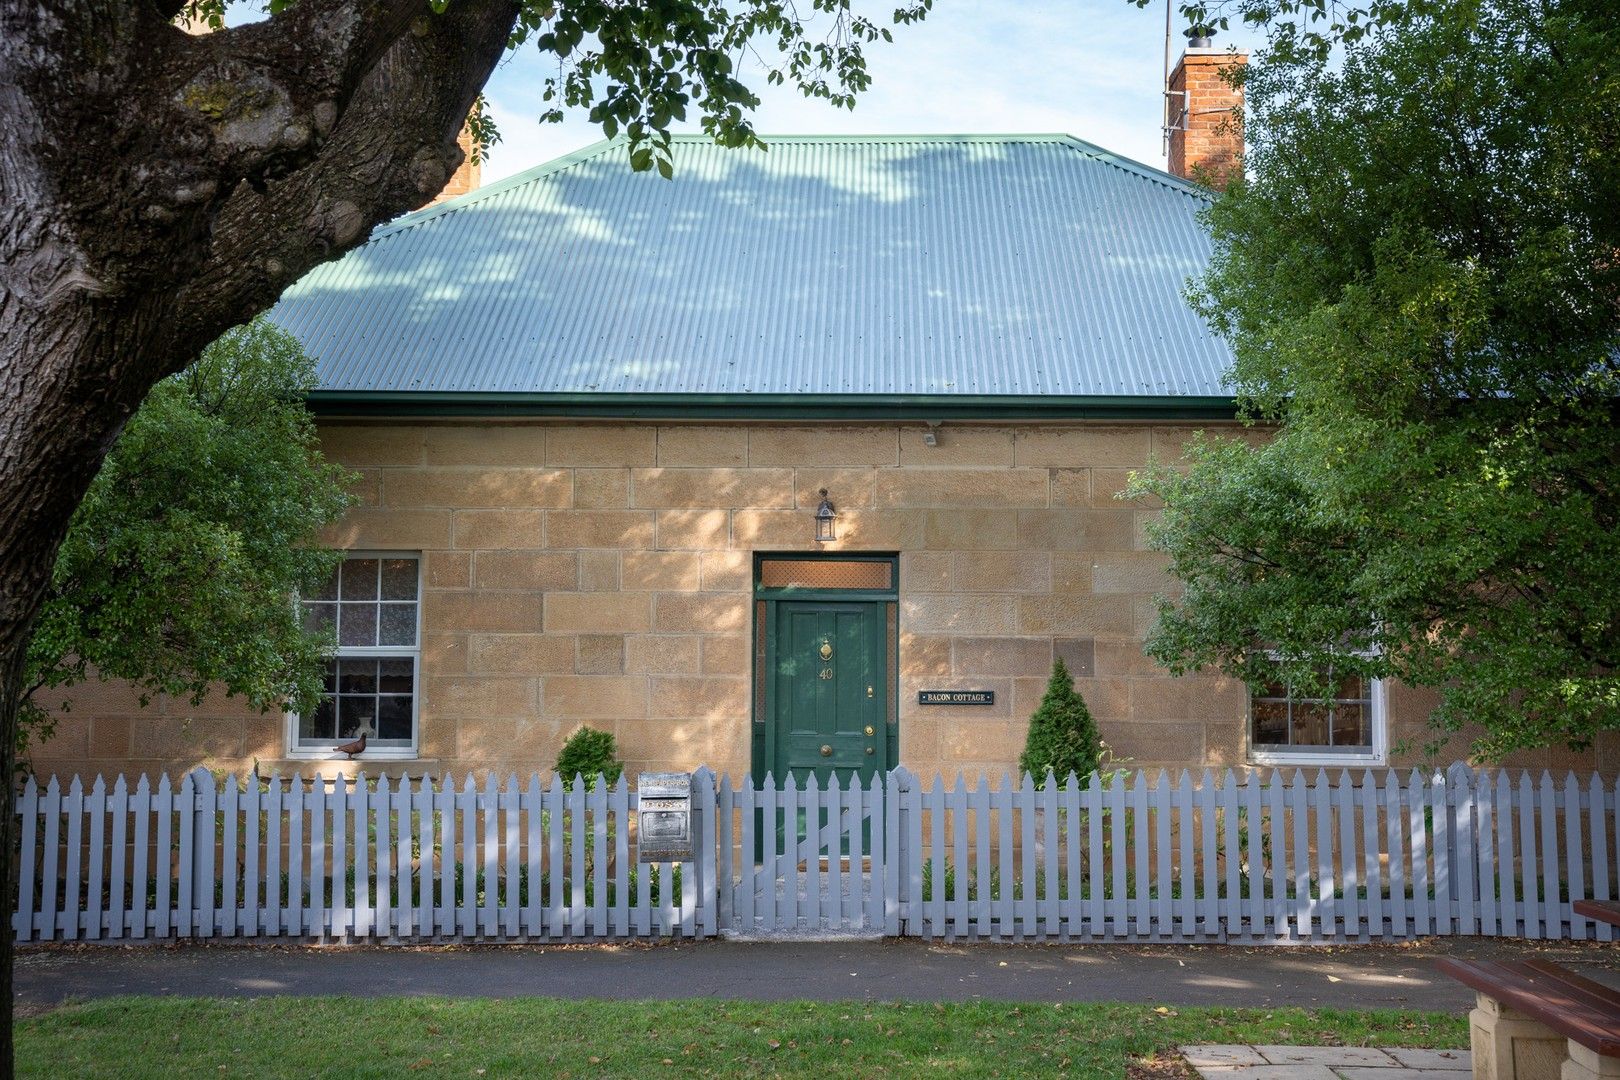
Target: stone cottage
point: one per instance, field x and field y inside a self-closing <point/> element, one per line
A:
<point x="805" y="459"/>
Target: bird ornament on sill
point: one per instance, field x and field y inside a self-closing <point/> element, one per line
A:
<point x="358" y="746"/>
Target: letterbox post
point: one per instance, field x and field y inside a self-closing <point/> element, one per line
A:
<point x="664" y="817"/>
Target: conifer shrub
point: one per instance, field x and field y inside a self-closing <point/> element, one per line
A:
<point x="587" y="753"/>
<point x="1062" y="737"/>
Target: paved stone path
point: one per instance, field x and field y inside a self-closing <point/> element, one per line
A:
<point x="1327" y="1063"/>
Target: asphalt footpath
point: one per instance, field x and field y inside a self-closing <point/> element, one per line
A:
<point x="1360" y="977"/>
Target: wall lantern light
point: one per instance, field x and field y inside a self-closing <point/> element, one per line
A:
<point x="826" y="518"/>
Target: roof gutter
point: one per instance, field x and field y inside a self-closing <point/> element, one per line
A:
<point x="451" y="404"/>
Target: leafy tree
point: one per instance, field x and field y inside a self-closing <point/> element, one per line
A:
<point x="1062" y="737"/>
<point x="1419" y="282"/>
<point x="159" y="188"/>
<point x="589" y="753"/>
<point x="179" y="568"/>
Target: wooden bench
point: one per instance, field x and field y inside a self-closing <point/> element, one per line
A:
<point x="1538" y="1021"/>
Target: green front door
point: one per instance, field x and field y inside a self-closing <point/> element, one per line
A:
<point x="830" y="680"/>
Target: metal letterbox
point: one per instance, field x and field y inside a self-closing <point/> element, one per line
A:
<point x="664" y="821"/>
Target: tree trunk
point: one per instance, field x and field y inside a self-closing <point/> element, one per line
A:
<point x="148" y="204"/>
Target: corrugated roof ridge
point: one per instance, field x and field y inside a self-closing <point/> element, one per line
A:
<point x="602" y="146"/>
<point x="1131" y="165"/>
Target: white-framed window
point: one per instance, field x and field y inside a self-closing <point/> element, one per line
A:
<point x="1349" y="728"/>
<point x="373" y="602"/>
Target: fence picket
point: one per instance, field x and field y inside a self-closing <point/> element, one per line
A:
<point x="1255" y="865"/>
<point x="1395" y="830"/>
<point x="295" y="859"/>
<point x="140" y="809"/>
<point x="1164" y="855"/>
<point x="1600" y="850"/>
<point x="1140" y="891"/>
<point x="1464" y="863"/>
<point x="1367" y="795"/>
<point x="252" y="902"/>
<point x="1416" y="809"/>
<point x="1188" y="863"/>
<point x="1023" y="805"/>
<point x="1209" y="903"/>
<point x="1485" y="852"/>
<point x="119" y="809"/>
<point x="955" y="815"/>
<point x="96" y="811"/>
<point x="1574" y="869"/>
<point x="1508" y="907"/>
<point x="1529" y="879"/>
<point x="1555" y="913"/>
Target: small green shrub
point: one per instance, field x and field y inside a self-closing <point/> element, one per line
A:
<point x="587" y="753"/>
<point x="1062" y="735"/>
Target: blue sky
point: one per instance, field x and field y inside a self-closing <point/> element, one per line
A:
<point x="1091" y="68"/>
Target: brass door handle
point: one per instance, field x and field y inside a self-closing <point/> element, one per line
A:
<point x="870" y="751"/>
<point x="826" y="751"/>
<point x="869" y="694"/>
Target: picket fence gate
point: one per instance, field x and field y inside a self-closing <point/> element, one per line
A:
<point x="1127" y="857"/>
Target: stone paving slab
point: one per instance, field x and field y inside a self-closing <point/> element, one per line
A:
<point x="1273" y="1072"/>
<point x="1327" y="1055"/>
<point x="1199" y="1056"/>
<point x="1454" y="1060"/>
<point x="1241" y="1062"/>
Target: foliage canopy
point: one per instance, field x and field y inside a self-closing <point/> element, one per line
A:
<point x="180" y="566"/>
<point x="1419" y="282"/>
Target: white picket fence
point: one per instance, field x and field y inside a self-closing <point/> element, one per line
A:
<point x="1130" y="857"/>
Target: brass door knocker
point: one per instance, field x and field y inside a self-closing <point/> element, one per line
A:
<point x="826" y="652"/>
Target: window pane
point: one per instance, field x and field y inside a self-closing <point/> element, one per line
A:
<point x="329" y="588"/>
<point x="329" y="680"/>
<point x="320" y="618"/>
<point x="1350" y="726"/>
<point x="358" y="624"/>
<point x="394" y="717"/>
<point x="360" y="579"/>
<point x="399" y="579"/>
<point x="355" y="713"/>
<point x="398" y="626"/>
<point x="394" y="677"/>
<point x="1270" y="722"/>
<point x="317" y="724"/>
<point x="826" y="574"/>
<point x="1310" y="723"/>
<point x="1351" y="688"/>
<point x="357" y="676"/>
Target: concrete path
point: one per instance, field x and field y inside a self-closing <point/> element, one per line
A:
<point x="1352" y="977"/>
<point x="1327" y="1063"/>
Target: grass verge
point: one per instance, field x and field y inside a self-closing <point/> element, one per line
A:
<point x="545" y="1037"/>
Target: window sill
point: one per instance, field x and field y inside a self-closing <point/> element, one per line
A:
<point x="1303" y="758"/>
<point x="332" y="754"/>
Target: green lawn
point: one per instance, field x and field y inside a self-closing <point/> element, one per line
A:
<point x="545" y="1037"/>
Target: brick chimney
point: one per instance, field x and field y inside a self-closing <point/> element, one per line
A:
<point x="1206" y="141"/>
<point x="465" y="178"/>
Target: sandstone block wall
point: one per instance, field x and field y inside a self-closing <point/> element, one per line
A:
<point x="602" y="574"/>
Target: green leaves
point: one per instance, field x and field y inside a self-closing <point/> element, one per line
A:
<point x="179" y="570"/>
<point x="640" y="68"/>
<point x="1419" y="284"/>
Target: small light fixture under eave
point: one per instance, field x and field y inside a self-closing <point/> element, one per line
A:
<point x="826" y="520"/>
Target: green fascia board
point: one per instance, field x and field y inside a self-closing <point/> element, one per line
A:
<point x="408" y="403"/>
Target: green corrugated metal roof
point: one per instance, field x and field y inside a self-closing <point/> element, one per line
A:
<point x="911" y="269"/>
